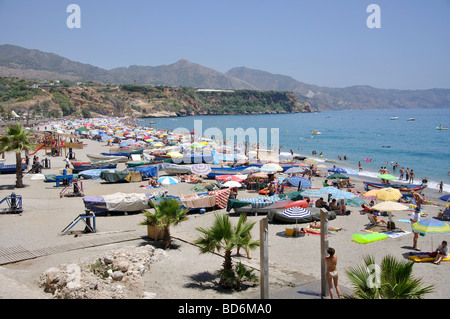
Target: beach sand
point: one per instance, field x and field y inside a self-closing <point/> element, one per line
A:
<point x="185" y="273"/>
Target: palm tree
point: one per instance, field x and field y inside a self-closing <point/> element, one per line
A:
<point x="393" y="280"/>
<point x="168" y="212"/>
<point x="16" y="140"/>
<point x="222" y="236"/>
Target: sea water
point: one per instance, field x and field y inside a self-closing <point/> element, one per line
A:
<point x="369" y="137"/>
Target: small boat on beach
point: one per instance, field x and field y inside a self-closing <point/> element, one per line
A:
<point x="174" y="169"/>
<point x="229" y="170"/>
<point x="10" y="169"/>
<point x="403" y="188"/>
<point x="106" y="156"/>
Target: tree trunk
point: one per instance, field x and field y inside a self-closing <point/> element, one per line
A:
<point x="227" y="264"/>
<point x="166" y="237"/>
<point x="19" y="177"/>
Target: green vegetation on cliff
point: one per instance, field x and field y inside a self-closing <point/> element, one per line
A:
<point x="89" y="99"/>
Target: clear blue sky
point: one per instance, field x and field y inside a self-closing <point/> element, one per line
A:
<point x="322" y="42"/>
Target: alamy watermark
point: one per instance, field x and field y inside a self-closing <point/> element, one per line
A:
<point x="374" y="19"/>
<point x="74" y="19"/>
<point x="235" y="142"/>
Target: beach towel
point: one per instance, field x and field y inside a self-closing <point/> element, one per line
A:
<point x="222" y="197"/>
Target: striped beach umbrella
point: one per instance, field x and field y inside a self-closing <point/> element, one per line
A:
<point x="296" y="180"/>
<point x="313" y="193"/>
<point x="431" y="226"/>
<point x="201" y="169"/>
<point x="296" y="212"/>
<point x="167" y="180"/>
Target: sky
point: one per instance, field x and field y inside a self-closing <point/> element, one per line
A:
<point x="321" y="42"/>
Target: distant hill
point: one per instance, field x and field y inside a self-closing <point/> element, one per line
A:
<point x="181" y="73"/>
<point x="353" y="97"/>
<point x="24" y="63"/>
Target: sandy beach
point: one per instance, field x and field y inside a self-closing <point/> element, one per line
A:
<point x="184" y="273"/>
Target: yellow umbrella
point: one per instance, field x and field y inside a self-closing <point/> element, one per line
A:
<point x="389" y="194"/>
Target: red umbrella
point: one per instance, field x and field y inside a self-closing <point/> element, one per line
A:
<point x="228" y="178"/>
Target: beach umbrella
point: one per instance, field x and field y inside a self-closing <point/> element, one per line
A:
<point x="350" y="171"/>
<point x="389" y="194"/>
<point x="271" y="167"/>
<point x="445" y="198"/>
<point x="310" y="161"/>
<point x="314" y="193"/>
<point x="229" y="178"/>
<point x="231" y="184"/>
<point x="321" y="166"/>
<point x="337" y="170"/>
<point x="295" y="169"/>
<point x="296" y="213"/>
<point x="167" y="180"/>
<point x="296" y="180"/>
<point x="387" y="177"/>
<point x="329" y="190"/>
<point x="343" y="195"/>
<point x="389" y="206"/>
<point x="337" y="176"/>
<point x="431" y="226"/>
<point x="201" y="169"/>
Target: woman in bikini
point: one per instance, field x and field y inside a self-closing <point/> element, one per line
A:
<point x="332" y="273"/>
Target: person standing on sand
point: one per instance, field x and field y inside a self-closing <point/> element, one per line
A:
<point x="332" y="273"/>
<point x="407" y="174"/>
<point x="441" y="187"/>
<point x="411" y="177"/>
<point x="415" y="217"/>
<point x="402" y="171"/>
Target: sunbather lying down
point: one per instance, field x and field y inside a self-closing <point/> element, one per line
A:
<point x="316" y="225"/>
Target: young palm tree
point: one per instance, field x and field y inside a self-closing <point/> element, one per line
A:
<point x="16" y="140"/>
<point x="168" y="212"/>
<point x="222" y="236"/>
<point x="393" y="280"/>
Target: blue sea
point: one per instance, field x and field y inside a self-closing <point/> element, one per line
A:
<point x="358" y="135"/>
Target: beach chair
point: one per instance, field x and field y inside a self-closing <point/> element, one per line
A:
<point x="372" y="220"/>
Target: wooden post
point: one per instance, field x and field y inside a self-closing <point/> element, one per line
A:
<point x="323" y="250"/>
<point x="264" y="257"/>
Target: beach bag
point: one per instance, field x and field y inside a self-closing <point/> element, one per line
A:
<point x="390" y="225"/>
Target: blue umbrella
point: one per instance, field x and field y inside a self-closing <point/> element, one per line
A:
<point x="445" y="198"/>
<point x="167" y="180"/>
<point x="337" y="170"/>
<point x="314" y="193"/>
<point x="296" y="180"/>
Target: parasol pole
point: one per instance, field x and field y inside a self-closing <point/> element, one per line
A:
<point x="323" y="250"/>
<point x="264" y="257"/>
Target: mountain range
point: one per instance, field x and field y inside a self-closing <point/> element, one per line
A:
<point x="25" y="63"/>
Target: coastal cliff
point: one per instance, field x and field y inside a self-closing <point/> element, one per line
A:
<point x="60" y="98"/>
